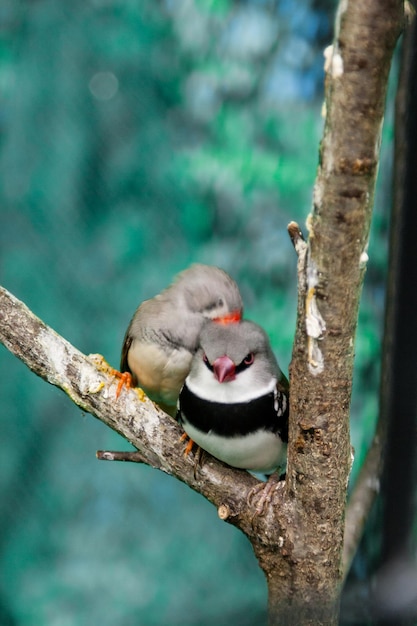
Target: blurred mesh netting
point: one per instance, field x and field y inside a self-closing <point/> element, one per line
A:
<point x="137" y="138"/>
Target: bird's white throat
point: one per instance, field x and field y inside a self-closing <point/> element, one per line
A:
<point x="243" y="388"/>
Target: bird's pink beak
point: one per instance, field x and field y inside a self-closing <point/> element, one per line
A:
<point x="224" y="369"/>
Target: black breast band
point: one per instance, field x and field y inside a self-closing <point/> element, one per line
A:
<point x="233" y="419"/>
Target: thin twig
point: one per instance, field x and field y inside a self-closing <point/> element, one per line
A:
<point x="110" y="455"/>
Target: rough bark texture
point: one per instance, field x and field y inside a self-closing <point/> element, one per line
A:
<point x="299" y="539"/>
<point x="367" y="485"/>
<point x="357" y="67"/>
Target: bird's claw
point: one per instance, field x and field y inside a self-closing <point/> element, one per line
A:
<point x="125" y="380"/>
<point x="263" y="492"/>
<point x="190" y="443"/>
<point x="198" y="455"/>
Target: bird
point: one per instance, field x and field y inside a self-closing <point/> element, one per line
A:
<point x="234" y="402"/>
<point x="163" y="333"/>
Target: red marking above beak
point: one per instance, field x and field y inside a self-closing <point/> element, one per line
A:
<point x="224" y="369"/>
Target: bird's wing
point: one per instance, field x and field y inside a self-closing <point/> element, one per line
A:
<point x="124" y="367"/>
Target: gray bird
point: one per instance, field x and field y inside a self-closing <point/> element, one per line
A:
<point x="234" y="403"/>
<point x="164" y="332"/>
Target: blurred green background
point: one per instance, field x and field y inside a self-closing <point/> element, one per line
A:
<point x="138" y="137"/>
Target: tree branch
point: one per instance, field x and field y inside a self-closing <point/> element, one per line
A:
<point x="88" y="381"/>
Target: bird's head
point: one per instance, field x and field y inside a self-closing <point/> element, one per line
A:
<point x="210" y="291"/>
<point x="237" y="353"/>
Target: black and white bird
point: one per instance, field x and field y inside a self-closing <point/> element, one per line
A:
<point x="164" y="332"/>
<point x="234" y="403"/>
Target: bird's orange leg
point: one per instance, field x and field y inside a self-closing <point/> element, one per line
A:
<point x="125" y="380"/>
<point x="190" y="443"/>
<point x="198" y="455"/>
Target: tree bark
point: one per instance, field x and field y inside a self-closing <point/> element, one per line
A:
<point x="319" y="458"/>
<point x="299" y="538"/>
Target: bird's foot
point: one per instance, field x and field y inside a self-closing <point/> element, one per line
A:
<point x="263" y="493"/>
<point x="190" y="443"/>
<point x="198" y="455"/>
<point x="125" y="380"/>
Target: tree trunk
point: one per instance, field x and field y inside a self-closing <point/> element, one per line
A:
<point x="304" y="578"/>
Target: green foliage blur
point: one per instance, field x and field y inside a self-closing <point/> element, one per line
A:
<point x="137" y="138"/>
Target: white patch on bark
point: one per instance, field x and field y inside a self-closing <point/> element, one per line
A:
<point x="333" y="61"/>
<point x="317" y="194"/>
<point x="337" y="65"/>
<point x="315" y="324"/>
<point x="56" y="351"/>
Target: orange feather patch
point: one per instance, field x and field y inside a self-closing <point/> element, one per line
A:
<point x="229" y="318"/>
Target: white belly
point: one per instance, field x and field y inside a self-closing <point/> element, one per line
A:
<point x="261" y="451"/>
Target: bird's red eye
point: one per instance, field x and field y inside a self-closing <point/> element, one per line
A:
<point x="249" y="358"/>
<point x="205" y="359"/>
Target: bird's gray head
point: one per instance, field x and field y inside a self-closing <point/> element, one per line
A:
<point x="227" y="349"/>
<point x="208" y="290"/>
